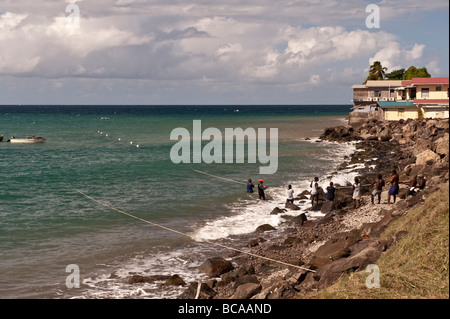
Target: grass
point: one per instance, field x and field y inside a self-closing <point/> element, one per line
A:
<point x="416" y="267"/>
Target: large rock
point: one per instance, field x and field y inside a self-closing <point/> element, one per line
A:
<point x="442" y="145"/>
<point x="277" y="211"/>
<point x="329" y="206"/>
<point x="246" y="291"/>
<point x="427" y="157"/>
<point x="337" y="247"/>
<point x="264" y="228"/>
<point x="365" y="253"/>
<point x="420" y="146"/>
<point x="300" y="219"/>
<point x="206" y="292"/>
<point x="291" y="206"/>
<point x="175" y="280"/>
<point x="216" y="266"/>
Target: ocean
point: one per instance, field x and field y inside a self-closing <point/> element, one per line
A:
<point x="120" y="155"/>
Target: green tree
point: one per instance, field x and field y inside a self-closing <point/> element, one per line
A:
<point x="413" y="72"/>
<point x="395" y="75"/>
<point x="376" y="72"/>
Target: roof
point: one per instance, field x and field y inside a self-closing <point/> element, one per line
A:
<point x="384" y="83"/>
<point x="356" y="86"/>
<point x="418" y="81"/>
<point x="396" y="104"/>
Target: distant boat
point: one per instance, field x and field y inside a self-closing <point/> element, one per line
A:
<point x="28" y="140"/>
<point x="1" y="138"/>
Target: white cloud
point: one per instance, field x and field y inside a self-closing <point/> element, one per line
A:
<point x="226" y="45"/>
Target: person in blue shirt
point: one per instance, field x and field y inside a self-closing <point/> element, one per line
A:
<point x="330" y="192"/>
<point x="250" y="186"/>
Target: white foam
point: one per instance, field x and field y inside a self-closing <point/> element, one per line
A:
<point x="113" y="283"/>
<point x="246" y="215"/>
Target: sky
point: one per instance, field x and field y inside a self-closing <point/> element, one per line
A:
<point x="162" y="52"/>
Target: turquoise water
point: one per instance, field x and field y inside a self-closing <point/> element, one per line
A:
<point x="120" y="155"/>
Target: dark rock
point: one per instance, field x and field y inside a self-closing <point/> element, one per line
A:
<point x="300" y="219"/>
<point x="246" y="291"/>
<point x="137" y="279"/>
<point x="277" y="211"/>
<point x="329" y="273"/>
<point x="329" y="206"/>
<point x="264" y="228"/>
<point x="175" y="280"/>
<point x="216" y="266"/>
<point x="335" y="248"/>
<point x="241" y="280"/>
<point x="206" y="292"/>
<point x="291" y="206"/>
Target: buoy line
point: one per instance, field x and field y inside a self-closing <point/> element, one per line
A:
<point x="223" y="178"/>
<point x="189" y="236"/>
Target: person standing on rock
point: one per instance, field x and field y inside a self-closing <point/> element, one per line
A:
<point x="356" y="193"/>
<point x="250" y="186"/>
<point x="330" y="192"/>
<point x="379" y="184"/>
<point x="393" y="190"/>
<point x="315" y="190"/>
<point x="290" y="195"/>
<point x="261" y="189"/>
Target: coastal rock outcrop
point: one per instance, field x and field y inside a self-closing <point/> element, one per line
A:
<point x="216" y="266"/>
<point x="344" y="240"/>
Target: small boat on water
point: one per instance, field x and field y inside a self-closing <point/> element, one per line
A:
<point x="1" y="138"/>
<point x="28" y="140"/>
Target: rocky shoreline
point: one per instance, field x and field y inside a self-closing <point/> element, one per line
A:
<point x="313" y="254"/>
<point x="346" y="239"/>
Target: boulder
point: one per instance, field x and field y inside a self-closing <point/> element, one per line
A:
<point x="427" y="157"/>
<point x="329" y="206"/>
<point x="335" y="248"/>
<point x="216" y="266"/>
<point x="246" y="291"/>
<point x="245" y="279"/>
<point x="365" y="253"/>
<point x="300" y="219"/>
<point x="277" y="211"/>
<point x="442" y="145"/>
<point x="291" y="206"/>
<point x="175" y="280"/>
<point x="264" y="228"/>
<point x="137" y="279"/>
<point x="206" y="292"/>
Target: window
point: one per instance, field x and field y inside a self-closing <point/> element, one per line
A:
<point x="439" y="88"/>
<point x="425" y="93"/>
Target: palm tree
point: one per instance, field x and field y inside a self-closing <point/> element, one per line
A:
<point x="376" y="72"/>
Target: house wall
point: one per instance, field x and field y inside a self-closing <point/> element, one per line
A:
<point x="395" y="114"/>
<point x="434" y="112"/>
<point x="433" y="94"/>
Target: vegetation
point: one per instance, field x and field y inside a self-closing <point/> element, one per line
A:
<point x="413" y="72"/>
<point x="378" y="72"/>
<point x="417" y="266"/>
<point x="395" y="75"/>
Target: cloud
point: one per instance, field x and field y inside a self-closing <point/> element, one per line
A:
<point x="221" y="46"/>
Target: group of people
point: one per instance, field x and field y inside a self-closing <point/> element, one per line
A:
<point x="261" y="188"/>
<point x="416" y="184"/>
